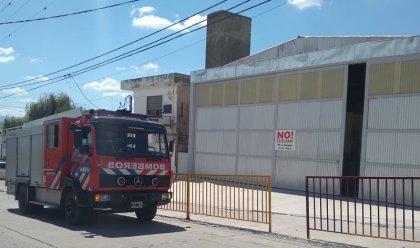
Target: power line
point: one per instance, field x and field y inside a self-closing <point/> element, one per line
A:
<point x="168" y="54"/>
<point x="124" y="55"/>
<point x="149" y="61"/>
<point x="113" y="50"/>
<point x="136" y="51"/>
<point x="74" y="80"/>
<point x="271" y="9"/>
<point x="17" y="10"/>
<point x="150" y="46"/>
<point x="7" y="6"/>
<point x="69" y="14"/>
<point x="21" y="25"/>
<point x="182" y="48"/>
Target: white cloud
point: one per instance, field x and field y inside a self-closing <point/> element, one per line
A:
<point x="34" y="60"/>
<point x="151" y="21"/>
<point x="6" y="51"/>
<point x="142" y="69"/>
<point x="108" y="87"/>
<point x="147" y="68"/>
<point x="17" y="90"/>
<point x="142" y="11"/>
<point x="11" y="111"/>
<point x="303" y="4"/>
<point x="146" y="19"/>
<point x="196" y="19"/>
<point x="37" y="78"/>
<point x="6" y="54"/>
<point x="115" y="93"/>
<point x="7" y="59"/>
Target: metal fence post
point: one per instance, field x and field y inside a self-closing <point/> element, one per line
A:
<point x="307" y="208"/>
<point x="188" y="196"/>
<point x="269" y="204"/>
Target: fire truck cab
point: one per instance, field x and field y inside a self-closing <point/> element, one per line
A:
<point x="110" y="161"/>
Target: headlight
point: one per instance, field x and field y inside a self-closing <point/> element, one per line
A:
<point x="155" y="182"/>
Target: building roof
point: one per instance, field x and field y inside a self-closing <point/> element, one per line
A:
<point x="305" y="44"/>
<point x="164" y="79"/>
<point x="305" y="52"/>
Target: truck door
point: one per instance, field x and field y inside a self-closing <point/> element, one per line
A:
<point x="54" y="156"/>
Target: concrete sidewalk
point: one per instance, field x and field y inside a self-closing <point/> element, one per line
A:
<point x="288" y="219"/>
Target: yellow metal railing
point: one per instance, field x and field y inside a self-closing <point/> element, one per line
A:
<point x="239" y="197"/>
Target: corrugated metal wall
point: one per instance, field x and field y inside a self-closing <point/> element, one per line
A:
<point x="235" y="131"/>
<point x="318" y="126"/>
<point x="392" y="122"/>
<point x="215" y="144"/>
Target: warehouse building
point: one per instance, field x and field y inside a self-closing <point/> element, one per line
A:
<point x="327" y="106"/>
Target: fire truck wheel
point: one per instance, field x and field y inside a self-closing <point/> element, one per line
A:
<point x="24" y="206"/>
<point x="146" y="214"/>
<point x="73" y="213"/>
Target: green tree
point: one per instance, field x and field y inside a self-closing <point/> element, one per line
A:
<point x="49" y="105"/>
<point x="46" y="105"/>
<point x="11" y="121"/>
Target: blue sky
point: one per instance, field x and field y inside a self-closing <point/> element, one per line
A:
<point x="36" y="49"/>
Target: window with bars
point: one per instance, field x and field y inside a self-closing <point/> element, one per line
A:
<point x="154" y="106"/>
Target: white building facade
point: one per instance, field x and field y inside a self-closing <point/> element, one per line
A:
<point x="165" y="99"/>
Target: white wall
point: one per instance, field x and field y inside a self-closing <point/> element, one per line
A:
<point x="141" y="94"/>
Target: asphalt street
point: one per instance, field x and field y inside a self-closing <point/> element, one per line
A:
<point x="48" y="229"/>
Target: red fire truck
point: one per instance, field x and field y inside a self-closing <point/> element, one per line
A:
<point x="101" y="160"/>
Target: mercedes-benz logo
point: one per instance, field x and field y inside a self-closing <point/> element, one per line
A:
<point x="121" y="181"/>
<point x="138" y="181"/>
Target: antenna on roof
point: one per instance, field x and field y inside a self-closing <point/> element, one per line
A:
<point x="127" y="100"/>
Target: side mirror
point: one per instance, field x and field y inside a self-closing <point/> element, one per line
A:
<point x="171" y="146"/>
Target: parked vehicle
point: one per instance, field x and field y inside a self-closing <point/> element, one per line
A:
<point x="112" y="161"/>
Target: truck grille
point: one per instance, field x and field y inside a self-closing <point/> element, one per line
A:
<point x="133" y="181"/>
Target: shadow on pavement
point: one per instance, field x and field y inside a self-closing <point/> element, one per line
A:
<point x="105" y="225"/>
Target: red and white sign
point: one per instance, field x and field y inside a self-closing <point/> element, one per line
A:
<point x="285" y="140"/>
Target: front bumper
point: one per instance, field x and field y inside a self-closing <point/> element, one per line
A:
<point x="127" y="201"/>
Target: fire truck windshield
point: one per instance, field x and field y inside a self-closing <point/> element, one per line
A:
<point x="130" y="142"/>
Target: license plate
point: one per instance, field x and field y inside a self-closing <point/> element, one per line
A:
<point x="136" y="204"/>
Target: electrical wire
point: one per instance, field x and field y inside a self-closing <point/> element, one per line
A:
<point x="128" y="69"/>
<point x="180" y="49"/>
<point x="149" y="46"/>
<point x="137" y="49"/>
<point x="66" y="15"/>
<point x="271" y="9"/>
<point x="90" y="68"/>
<point x="113" y="50"/>
<point x="168" y="54"/>
<point x="17" y="10"/>
<point x="131" y="53"/>
<point x="21" y="25"/>
<point x="74" y="80"/>
<point x="7" y="6"/>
